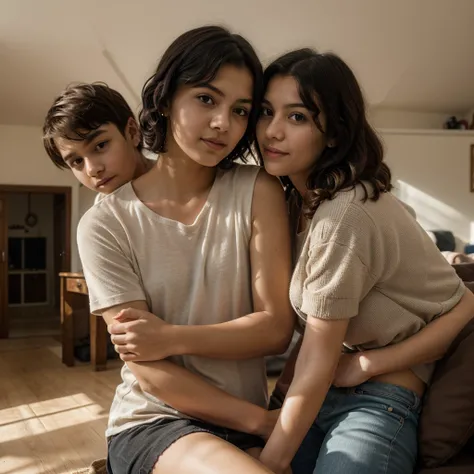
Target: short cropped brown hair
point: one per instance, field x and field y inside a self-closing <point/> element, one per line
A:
<point x="78" y="110"/>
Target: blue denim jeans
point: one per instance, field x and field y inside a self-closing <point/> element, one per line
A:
<point x="368" y="429"/>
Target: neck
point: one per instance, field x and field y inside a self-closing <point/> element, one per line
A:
<point x="143" y="165"/>
<point x="184" y="177"/>
<point x="178" y="177"/>
<point x="299" y="182"/>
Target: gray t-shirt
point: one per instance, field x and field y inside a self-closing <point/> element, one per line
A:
<point x="187" y="274"/>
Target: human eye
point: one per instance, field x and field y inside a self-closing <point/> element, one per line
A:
<point x="101" y="146"/>
<point x="241" y="112"/>
<point x="206" y="99"/>
<point x="75" y="162"/>
<point x="297" y="117"/>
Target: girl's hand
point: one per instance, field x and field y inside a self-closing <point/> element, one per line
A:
<point x="141" y="336"/>
<point x="352" y="370"/>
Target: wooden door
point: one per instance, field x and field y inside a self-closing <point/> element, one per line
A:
<point x="4" y="323"/>
<point x="62" y="244"/>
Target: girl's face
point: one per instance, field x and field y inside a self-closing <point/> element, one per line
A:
<point x="287" y="135"/>
<point x="206" y="121"/>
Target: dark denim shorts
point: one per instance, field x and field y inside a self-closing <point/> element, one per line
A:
<point x="136" y="450"/>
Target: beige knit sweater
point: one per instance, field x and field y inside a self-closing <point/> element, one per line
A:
<point x="371" y="262"/>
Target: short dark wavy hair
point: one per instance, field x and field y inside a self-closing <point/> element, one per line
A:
<point x="196" y="57"/>
<point x="79" y="109"/>
<point x="357" y="156"/>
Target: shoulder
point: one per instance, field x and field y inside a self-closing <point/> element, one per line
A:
<point x="250" y="177"/>
<point x="345" y="219"/>
<point x="104" y="216"/>
<point x="343" y="208"/>
<point x="269" y="202"/>
<point x="95" y="224"/>
<point x="268" y="189"/>
<point x="99" y="197"/>
<point x="104" y="201"/>
<point x="241" y="172"/>
<point x="267" y="185"/>
<point x="239" y="178"/>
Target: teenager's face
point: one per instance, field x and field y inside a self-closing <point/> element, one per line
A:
<point x="287" y="135"/>
<point x="105" y="159"/>
<point x="208" y="120"/>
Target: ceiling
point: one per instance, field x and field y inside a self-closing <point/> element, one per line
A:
<point x="409" y="55"/>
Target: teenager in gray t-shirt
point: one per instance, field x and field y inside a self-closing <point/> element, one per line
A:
<point x="197" y="254"/>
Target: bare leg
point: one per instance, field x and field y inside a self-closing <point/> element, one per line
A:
<point x="203" y="453"/>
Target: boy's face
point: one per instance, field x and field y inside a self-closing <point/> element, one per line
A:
<point x="105" y="159"/>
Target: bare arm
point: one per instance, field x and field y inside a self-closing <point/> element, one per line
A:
<point x="286" y="377"/>
<point x="428" y="345"/>
<point x="190" y="394"/>
<point x="114" y="285"/>
<point x="269" y="329"/>
<point x="314" y="372"/>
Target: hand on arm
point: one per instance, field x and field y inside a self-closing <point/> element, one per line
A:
<point x="190" y="394"/>
<point x="114" y="284"/>
<point x="140" y="336"/>
<point x="428" y="345"/>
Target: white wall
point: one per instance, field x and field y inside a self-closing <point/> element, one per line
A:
<point x="23" y="161"/>
<point x="433" y="171"/>
<point x="469" y="117"/>
<point x="42" y="206"/>
<point x="394" y="118"/>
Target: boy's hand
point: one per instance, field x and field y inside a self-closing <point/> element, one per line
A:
<point x="141" y="336"/>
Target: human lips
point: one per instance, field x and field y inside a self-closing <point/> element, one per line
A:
<point x="272" y="152"/>
<point x="214" y="143"/>
<point x="104" y="181"/>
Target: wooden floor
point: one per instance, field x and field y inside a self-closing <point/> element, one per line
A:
<point x="52" y="418"/>
<point x="30" y="321"/>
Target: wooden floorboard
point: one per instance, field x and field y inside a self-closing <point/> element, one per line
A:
<point x="52" y="417"/>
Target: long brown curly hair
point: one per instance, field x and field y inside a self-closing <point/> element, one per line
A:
<point x="357" y="157"/>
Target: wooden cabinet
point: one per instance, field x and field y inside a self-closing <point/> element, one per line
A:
<point x="74" y="298"/>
